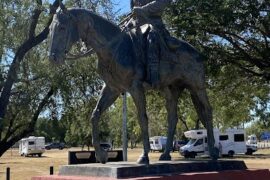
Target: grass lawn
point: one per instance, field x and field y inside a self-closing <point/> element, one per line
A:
<point x="23" y="168"/>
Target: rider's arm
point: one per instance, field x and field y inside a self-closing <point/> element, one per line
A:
<point x="156" y="7"/>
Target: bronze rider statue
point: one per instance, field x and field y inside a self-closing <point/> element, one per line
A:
<point x="149" y="12"/>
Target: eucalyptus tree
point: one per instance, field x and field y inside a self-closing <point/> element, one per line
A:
<point x="229" y="31"/>
<point x="28" y="81"/>
<point x="234" y="37"/>
<point x="23" y="93"/>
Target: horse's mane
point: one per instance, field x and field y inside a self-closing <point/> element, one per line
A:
<point x="98" y="20"/>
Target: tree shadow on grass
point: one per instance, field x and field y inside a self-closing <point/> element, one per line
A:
<point x="36" y="157"/>
<point x="12" y="163"/>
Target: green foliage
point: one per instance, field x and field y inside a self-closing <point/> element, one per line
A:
<point x="53" y="130"/>
<point x="226" y="31"/>
<point x="257" y="128"/>
<point x="116" y="118"/>
<point x="233" y="36"/>
<point x="34" y="77"/>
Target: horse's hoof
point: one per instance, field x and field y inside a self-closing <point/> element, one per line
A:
<point x="143" y="160"/>
<point x="102" y="156"/>
<point x="165" y="157"/>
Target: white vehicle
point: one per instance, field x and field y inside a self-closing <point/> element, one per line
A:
<point x="252" y="139"/>
<point x="251" y="144"/>
<point x="32" y="146"/>
<point x="158" y="143"/>
<point x="230" y="142"/>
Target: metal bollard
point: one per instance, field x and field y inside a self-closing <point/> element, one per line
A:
<point x="8" y="174"/>
<point x="51" y="170"/>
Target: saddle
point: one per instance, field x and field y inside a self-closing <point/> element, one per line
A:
<point x="171" y="42"/>
<point x="139" y="39"/>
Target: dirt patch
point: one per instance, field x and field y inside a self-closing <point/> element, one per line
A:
<point x="23" y="168"/>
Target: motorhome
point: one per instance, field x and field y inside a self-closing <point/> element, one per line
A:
<point x="229" y="142"/>
<point x="157" y="143"/>
<point x="252" y="145"/>
<point x="252" y="139"/>
<point x="32" y="146"/>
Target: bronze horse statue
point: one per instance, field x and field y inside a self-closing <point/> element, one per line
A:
<point x="122" y="72"/>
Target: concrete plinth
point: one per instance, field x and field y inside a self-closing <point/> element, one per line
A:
<point x="223" y="175"/>
<point x="129" y="170"/>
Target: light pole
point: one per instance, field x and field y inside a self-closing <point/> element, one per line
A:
<point x="124" y="125"/>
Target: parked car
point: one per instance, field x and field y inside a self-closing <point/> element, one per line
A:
<point x="178" y="143"/>
<point x="106" y="146"/>
<point x="55" y="145"/>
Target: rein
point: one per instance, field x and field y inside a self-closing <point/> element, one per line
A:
<point x="91" y="51"/>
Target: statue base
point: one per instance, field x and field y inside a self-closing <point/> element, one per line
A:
<point x="131" y="169"/>
<point x="262" y="174"/>
<point x="171" y="170"/>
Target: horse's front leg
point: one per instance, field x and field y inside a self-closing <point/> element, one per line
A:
<point x="137" y="93"/>
<point x="106" y="99"/>
<point x="171" y="96"/>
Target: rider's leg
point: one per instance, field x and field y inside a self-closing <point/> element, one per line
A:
<point x="153" y="53"/>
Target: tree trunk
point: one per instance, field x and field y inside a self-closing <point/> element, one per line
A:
<point x="8" y="142"/>
<point x="197" y="125"/>
<point x="184" y="122"/>
<point x="31" y="42"/>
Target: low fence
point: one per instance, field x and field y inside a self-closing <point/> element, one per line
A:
<point x="8" y="172"/>
<point x="263" y="145"/>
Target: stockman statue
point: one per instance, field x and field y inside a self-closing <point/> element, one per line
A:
<point x="147" y="18"/>
<point x="122" y="63"/>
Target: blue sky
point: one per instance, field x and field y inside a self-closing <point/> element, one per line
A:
<point x="122" y="5"/>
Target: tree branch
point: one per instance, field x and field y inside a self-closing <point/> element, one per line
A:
<point x="233" y="60"/>
<point x="184" y="122"/>
<point x="22" y="50"/>
<point x="31" y="126"/>
<point x="11" y="122"/>
<point x="247" y="56"/>
<point x="34" y="19"/>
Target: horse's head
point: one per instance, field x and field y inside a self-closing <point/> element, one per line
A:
<point x="63" y="34"/>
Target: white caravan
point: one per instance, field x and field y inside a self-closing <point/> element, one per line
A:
<point x="32" y="146"/>
<point x="157" y="143"/>
<point x="230" y="142"/>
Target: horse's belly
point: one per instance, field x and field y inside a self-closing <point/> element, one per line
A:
<point x="116" y="77"/>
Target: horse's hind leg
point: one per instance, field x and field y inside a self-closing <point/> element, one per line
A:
<point x="204" y="110"/>
<point x="171" y="96"/>
<point x="106" y="99"/>
<point x="137" y="93"/>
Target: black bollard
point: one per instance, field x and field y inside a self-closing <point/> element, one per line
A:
<point x="8" y="174"/>
<point x="51" y="170"/>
